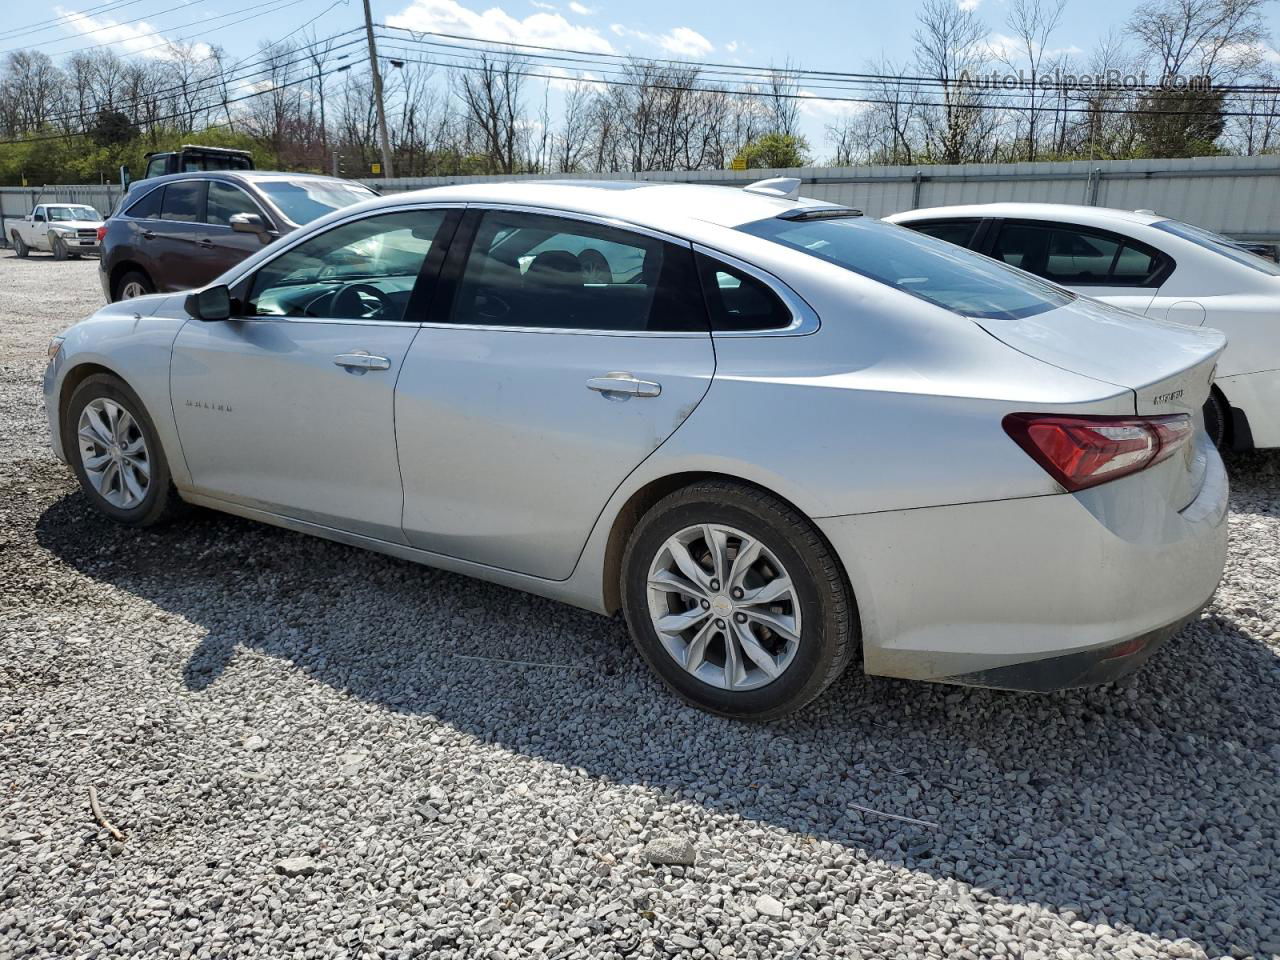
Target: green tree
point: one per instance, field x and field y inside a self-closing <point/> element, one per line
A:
<point x="1181" y="121"/>
<point x="775" y="150"/>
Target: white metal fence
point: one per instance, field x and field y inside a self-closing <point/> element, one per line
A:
<point x="1236" y="196"/>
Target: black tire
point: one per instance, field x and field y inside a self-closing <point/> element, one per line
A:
<point x="829" y="630"/>
<point x="1217" y="418"/>
<point x="133" y="276"/>
<point x="19" y="245"/>
<point x="161" y="501"/>
<point x="57" y="247"/>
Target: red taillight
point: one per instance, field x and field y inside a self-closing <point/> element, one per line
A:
<point x="1084" y="451"/>
<point x="102" y="232"/>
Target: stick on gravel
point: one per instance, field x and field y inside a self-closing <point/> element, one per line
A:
<point x="106" y="824"/>
<point x="894" y="816"/>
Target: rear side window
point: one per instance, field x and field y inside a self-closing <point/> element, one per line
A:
<point x="941" y="273"/>
<point x="1076" y="256"/>
<point x="225" y="200"/>
<point x="147" y="207"/>
<point x="959" y="232"/>
<point x="184" y="201"/>
<point x="534" y="270"/>
<point x="737" y="301"/>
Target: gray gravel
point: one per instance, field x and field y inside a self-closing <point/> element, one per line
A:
<point x="308" y="758"/>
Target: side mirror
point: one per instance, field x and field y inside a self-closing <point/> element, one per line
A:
<point x="211" y="303"/>
<point x="251" y="223"/>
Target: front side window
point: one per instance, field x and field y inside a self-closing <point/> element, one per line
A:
<point x="364" y="270"/>
<point x="147" y="207"/>
<point x="534" y="270"/>
<point x="183" y="201"/>
<point x="1076" y="256"/>
<point x="959" y="232"/>
<point x="305" y="200"/>
<point x="157" y="167"/>
<point x="1218" y="244"/>
<point x="226" y="200"/>
<point x="933" y="270"/>
<point x="38" y="215"/>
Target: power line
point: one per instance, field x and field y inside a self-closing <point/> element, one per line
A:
<point x="111" y="6"/>
<point x="568" y="53"/>
<point x="817" y="98"/>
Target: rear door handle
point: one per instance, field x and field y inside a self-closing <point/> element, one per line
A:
<point x="622" y="386"/>
<point x="360" y="362"/>
<point x="148" y="235"/>
<point x="204" y="242"/>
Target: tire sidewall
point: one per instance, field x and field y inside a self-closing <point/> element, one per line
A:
<point x="57" y="247"/>
<point x="1215" y="420"/>
<point x="129" y="277"/>
<point x="19" y="245"/>
<point x="807" y="673"/>
<point x="108" y="387"/>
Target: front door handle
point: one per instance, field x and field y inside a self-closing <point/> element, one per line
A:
<point x="148" y="234"/>
<point x="622" y="386"/>
<point x="360" y="362"/>
<point x="204" y="242"/>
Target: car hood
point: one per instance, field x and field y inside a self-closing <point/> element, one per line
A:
<point x="77" y="224"/>
<point x="1168" y="366"/>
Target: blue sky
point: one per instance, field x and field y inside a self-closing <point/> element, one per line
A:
<point x="816" y="34"/>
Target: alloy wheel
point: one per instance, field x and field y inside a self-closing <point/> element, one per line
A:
<point x="114" y="453"/>
<point x="724" y="607"/>
<point x="132" y="289"/>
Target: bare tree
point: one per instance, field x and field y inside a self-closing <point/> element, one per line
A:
<point x="1032" y="24"/>
<point x="951" y="50"/>
<point x="491" y="97"/>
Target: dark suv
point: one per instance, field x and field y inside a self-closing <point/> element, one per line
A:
<point x="183" y="230"/>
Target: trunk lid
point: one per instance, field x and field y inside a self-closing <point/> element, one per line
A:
<point x="1168" y="367"/>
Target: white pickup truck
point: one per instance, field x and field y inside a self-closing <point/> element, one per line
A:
<point x="63" y="229"/>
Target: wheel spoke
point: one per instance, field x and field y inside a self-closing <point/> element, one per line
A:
<point x="140" y="465"/>
<point x="135" y="490"/>
<point x="134" y="447"/>
<point x="748" y="554"/>
<point x="761" y="657"/>
<point x="96" y="463"/>
<point x="98" y="424"/>
<point x="684" y="560"/>
<point x="695" y="653"/>
<point x="782" y="624"/>
<point x="718" y="544"/>
<point x="771" y="592"/>
<point x="109" y="475"/>
<point x="124" y="423"/>
<point x="679" y="622"/>
<point x="671" y="581"/>
<point x="734" y="672"/>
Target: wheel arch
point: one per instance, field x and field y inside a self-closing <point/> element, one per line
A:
<point x="118" y="270"/>
<point x="639" y="503"/>
<point x="75" y="376"/>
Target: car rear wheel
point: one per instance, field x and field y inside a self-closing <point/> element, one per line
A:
<point x="133" y="284"/>
<point x="737" y="601"/>
<point x="113" y="448"/>
<point x="1216" y="418"/>
<point x="19" y="245"/>
<point x="57" y="247"/>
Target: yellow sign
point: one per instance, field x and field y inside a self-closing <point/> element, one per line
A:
<point x="377" y="168"/>
<point x="739" y="163"/>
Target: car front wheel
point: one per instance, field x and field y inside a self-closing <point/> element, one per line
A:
<point x="57" y="247"/>
<point x="737" y="601"/>
<point x="113" y="448"/>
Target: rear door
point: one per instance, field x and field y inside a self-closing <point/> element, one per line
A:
<point x="569" y="349"/>
<point x="180" y="262"/>
<point x="1097" y="263"/>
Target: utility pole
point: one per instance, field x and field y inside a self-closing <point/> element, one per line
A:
<point x="377" y="93"/>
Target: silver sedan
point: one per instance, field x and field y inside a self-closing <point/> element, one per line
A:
<point x="775" y="434"/>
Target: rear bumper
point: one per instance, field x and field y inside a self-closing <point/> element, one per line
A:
<point x="1039" y="593"/>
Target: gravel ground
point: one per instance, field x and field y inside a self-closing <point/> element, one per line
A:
<point x="310" y="753"/>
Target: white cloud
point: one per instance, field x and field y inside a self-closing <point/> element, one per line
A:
<point x="732" y="46"/>
<point x="968" y="4"/>
<point x="495" y="24"/>
<point x="681" y="41"/>
<point x="1011" y="49"/>
<point x="543" y="6"/>
<point x="140" y="37"/>
<point x="581" y="9"/>
<point x="827" y="110"/>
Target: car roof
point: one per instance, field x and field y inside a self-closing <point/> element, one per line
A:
<point x="248" y="176"/>
<point x="1065" y="212"/>
<point x="655" y="205"/>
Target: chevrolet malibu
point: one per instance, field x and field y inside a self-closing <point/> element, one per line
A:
<point x="775" y="434"/>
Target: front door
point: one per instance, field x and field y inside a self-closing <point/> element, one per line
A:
<point x="221" y="246"/>
<point x="288" y="407"/>
<point x="572" y="351"/>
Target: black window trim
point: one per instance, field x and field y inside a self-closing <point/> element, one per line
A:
<point x="461" y="250"/>
<point x="804" y="320"/>
<point x="425" y="287"/>
<point x="142" y="195"/>
<point x="982" y="230"/>
<point x="1157" y="279"/>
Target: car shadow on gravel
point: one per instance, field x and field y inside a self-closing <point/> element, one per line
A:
<point x="1152" y="804"/>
